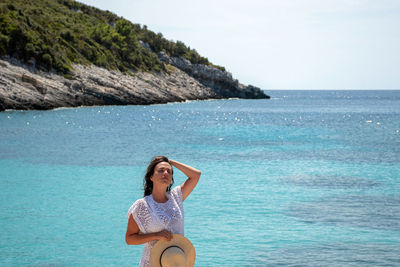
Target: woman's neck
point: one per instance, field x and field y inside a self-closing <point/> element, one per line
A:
<point x="159" y="195"/>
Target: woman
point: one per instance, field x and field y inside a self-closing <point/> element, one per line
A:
<point x="160" y="213"/>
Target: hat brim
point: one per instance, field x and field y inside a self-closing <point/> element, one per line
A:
<point x="178" y="241"/>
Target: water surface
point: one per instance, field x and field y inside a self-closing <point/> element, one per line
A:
<point x="305" y="178"/>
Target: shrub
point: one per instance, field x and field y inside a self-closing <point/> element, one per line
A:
<point x="59" y="33"/>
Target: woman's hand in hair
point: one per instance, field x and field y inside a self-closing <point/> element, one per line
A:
<point x="192" y="174"/>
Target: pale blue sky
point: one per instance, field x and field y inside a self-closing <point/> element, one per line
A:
<point x="283" y="44"/>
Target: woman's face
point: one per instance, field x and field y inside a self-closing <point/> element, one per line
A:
<point x="162" y="174"/>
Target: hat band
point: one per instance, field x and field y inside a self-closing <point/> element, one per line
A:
<point x="161" y="255"/>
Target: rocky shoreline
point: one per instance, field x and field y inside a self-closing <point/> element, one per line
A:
<point x="24" y="87"/>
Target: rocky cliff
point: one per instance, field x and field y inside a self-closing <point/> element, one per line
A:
<point x="25" y="87"/>
<point x="220" y="81"/>
<point x="66" y="54"/>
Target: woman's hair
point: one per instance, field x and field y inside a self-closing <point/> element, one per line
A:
<point x="148" y="184"/>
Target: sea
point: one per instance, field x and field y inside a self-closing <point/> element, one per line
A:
<point x="306" y="178"/>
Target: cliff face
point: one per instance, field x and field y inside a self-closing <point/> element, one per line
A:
<point x="220" y="81"/>
<point x="25" y="87"/>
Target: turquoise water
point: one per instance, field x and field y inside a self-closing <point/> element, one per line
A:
<point x="308" y="178"/>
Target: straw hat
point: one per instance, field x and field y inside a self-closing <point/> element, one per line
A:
<point x="178" y="252"/>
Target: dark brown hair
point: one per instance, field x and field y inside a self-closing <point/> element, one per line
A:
<point x="148" y="184"/>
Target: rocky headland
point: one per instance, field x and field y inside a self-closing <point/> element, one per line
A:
<point x="25" y="87"/>
<point x="67" y="54"/>
<point x="221" y="82"/>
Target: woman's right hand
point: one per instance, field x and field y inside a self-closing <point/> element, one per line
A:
<point x="164" y="235"/>
<point x="133" y="237"/>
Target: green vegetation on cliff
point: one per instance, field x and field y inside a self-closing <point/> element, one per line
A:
<point x="54" y="34"/>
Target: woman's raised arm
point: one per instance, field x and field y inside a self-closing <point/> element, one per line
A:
<point x="192" y="174"/>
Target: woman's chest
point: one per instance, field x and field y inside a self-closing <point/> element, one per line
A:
<point x="165" y="216"/>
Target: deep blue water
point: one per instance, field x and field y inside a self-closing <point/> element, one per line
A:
<point x="307" y="178"/>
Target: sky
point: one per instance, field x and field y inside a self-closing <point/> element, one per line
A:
<point x="282" y="44"/>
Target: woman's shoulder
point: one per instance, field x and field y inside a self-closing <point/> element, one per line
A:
<point x="138" y="206"/>
<point x="139" y="203"/>
<point x="176" y="192"/>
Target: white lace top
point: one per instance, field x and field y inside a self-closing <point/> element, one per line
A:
<point x="152" y="216"/>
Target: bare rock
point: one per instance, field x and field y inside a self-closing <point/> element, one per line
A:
<point x="220" y="81"/>
<point x="24" y="87"/>
<point x="77" y="86"/>
<point x="29" y="79"/>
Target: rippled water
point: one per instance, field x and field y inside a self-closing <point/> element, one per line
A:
<point x="308" y="178"/>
